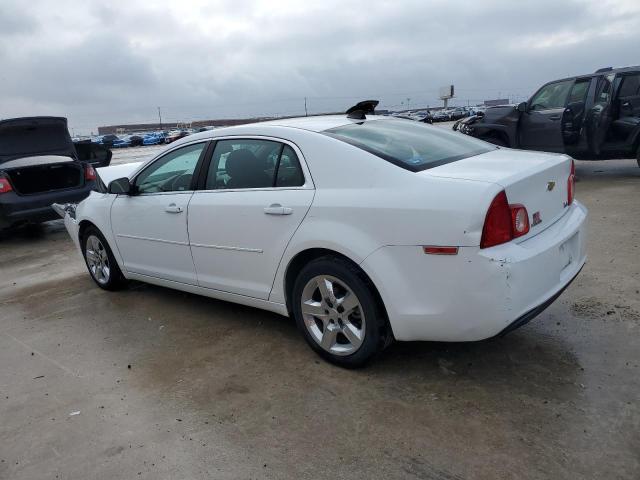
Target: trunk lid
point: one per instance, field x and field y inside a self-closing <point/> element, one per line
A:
<point x="34" y="136"/>
<point x="534" y="179"/>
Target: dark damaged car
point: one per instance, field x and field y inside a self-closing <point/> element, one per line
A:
<point x="39" y="165"/>
<point x="591" y="117"/>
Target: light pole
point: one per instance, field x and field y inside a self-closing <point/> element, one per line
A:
<point x="160" y="118"/>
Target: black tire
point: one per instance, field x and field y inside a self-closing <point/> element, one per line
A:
<point x="115" y="279"/>
<point x="377" y="334"/>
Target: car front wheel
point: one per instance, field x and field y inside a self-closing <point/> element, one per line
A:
<point x="336" y="310"/>
<point x="101" y="263"/>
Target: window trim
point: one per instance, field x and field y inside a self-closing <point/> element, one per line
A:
<point x="201" y="181"/>
<point x="196" y="171"/>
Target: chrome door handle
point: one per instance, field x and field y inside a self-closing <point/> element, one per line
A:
<point x="172" y="208"/>
<point x="554" y="117"/>
<point x="277" y="209"/>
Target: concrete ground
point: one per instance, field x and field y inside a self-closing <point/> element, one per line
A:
<point x="154" y="383"/>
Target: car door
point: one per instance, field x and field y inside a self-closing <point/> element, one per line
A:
<point x="627" y="108"/>
<point x="256" y="192"/>
<point x="600" y="115"/>
<point x="150" y="225"/>
<point x="541" y="125"/>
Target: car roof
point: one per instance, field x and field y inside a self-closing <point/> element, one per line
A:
<point x="317" y="124"/>
<point x="600" y="73"/>
<point x="320" y="123"/>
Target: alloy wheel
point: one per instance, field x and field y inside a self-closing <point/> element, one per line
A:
<point x="333" y="315"/>
<point x="97" y="260"/>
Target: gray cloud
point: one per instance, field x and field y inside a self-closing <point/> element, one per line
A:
<point x="99" y="63"/>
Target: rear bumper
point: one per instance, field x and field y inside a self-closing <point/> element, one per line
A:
<point x="15" y="209"/>
<point x="533" y="313"/>
<point x="478" y="293"/>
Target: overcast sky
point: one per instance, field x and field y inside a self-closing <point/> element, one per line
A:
<point x="99" y="62"/>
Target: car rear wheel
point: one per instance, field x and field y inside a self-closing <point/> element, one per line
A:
<point x="336" y="310"/>
<point x="100" y="261"/>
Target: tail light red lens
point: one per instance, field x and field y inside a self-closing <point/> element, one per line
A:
<point x="5" y="186"/>
<point x="89" y="172"/>
<point x="497" y="223"/>
<point x="571" y="183"/>
<point x="503" y="222"/>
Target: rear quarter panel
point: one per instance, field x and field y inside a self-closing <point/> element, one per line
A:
<point x="363" y="203"/>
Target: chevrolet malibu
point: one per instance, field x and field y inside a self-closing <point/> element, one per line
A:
<point x="362" y="228"/>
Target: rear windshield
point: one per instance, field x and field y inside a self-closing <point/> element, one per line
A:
<point x="409" y="144"/>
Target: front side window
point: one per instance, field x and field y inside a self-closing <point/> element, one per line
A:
<point x="171" y="173"/>
<point x="408" y="144"/>
<point x="551" y="96"/>
<point x="252" y="163"/>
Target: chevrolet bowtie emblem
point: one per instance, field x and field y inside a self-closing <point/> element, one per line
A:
<point x="550" y="186"/>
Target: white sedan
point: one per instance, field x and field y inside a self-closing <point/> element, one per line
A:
<point x="363" y="228"/>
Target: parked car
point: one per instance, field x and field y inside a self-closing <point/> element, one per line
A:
<point x="458" y="113"/>
<point x="593" y="116"/>
<point x="361" y="227"/>
<point x="423" y="116"/>
<point x="123" y="141"/>
<point x="39" y="165"/>
<point x="108" y="140"/>
<point x="154" y="138"/>
<point x="443" y="115"/>
<point x="174" y="135"/>
<point x="136" y="140"/>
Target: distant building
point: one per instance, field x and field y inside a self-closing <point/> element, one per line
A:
<point x="146" y="127"/>
<point x="496" y="102"/>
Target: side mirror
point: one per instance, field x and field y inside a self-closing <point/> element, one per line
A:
<point x="522" y="107"/>
<point x="120" y="186"/>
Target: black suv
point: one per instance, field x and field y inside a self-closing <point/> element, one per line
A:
<point x="595" y="116"/>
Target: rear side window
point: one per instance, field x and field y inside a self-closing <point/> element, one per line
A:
<point x="408" y="144"/>
<point x="289" y="173"/>
<point x="252" y="163"/>
<point x="630" y="86"/>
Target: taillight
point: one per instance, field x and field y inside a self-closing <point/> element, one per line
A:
<point x="519" y="220"/>
<point x="89" y="172"/>
<point x="571" y="183"/>
<point x="497" y="223"/>
<point x="5" y="186"/>
<point x="503" y="222"/>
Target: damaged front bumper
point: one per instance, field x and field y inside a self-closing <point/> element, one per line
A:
<point x="63" y="208"/>
<point x="68" y="212"/>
